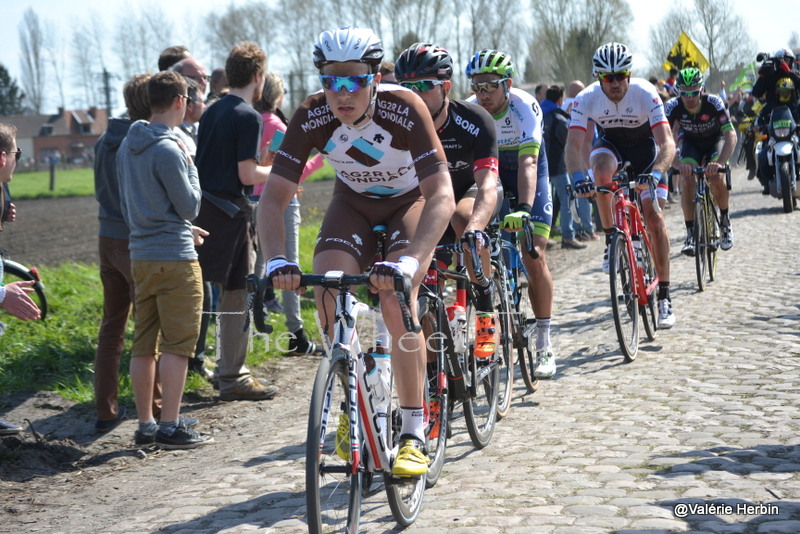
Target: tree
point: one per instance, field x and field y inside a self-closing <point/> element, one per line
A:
<point x="253" y="22"/>
<point x="141" y="38"/>
<point x="664" y="35"/>
<point x="31" y="44"/>
<point x="55" y="51"/>
<point x="724" y="35"/>
<point x="10" y="95"/>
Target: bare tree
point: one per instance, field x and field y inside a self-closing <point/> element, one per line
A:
<point x="85" y="50"/>
<point x="253" y="22"/>
<point x="724" y="35"/>
<point x="141" y="37"/>
<point x="664" y="35"/>
<point x="55" y="51"/>
<point x="31" y="44"/>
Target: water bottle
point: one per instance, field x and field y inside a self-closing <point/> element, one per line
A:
<point x="378" y="381"/>
<point x="457" y="317"/>
<point x="637" y="251"/>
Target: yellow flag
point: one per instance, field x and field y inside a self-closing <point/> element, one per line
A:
<point x="685" y="54"/>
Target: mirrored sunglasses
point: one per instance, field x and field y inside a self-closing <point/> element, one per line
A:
<point x="610" y="77"/>
<point x="350" y="83"/>
<point x="487" y="87"/>
<point x="422" y="86"/>
<point x="696" y="92"/>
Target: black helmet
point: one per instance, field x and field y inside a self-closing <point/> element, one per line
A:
<point x="424" y="60"/>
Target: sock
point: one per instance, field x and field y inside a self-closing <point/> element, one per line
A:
<point x="413" y="422"/>
<point x="609" y="232"/>
<point x="148" y="428"/>
<point x="663" y="291"/>
<point x="723" y="218"/>
<point x="542" y="332"/>
<point x="483" y="297"/>
<point x="167" y="427"/>
<point x="689" y="225"/>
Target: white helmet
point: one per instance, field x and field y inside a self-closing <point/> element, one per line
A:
<point x="611" y="57"/>
<point x="348" y="44"/>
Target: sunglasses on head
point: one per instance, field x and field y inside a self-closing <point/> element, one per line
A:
<point x="349" y="83"/>
<point x="17" y="153"/>
<point x="486" y="87"/>
<point x="690" y="93"/>
<point x="609" y="77"/>
<point x="422" y="86"/>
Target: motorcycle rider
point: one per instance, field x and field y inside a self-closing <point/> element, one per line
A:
<point x="778" y="85"/>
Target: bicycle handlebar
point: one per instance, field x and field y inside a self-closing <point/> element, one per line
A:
<point x="701" y="171"/>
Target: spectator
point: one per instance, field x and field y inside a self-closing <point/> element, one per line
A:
<point x="115" y="261"/>
<point x="663" y="94"/>
<point x="555" y="127"/>
<point x="540" y="92"/>
<point x="171" y="55"/>
<point x="160" y="195"/>
<point x="227" y="160"/>
<point x="387" y="72"/>
<point x="669" y="83"/>
<point x="194" y="70"/>
<point x="269" y="105"/>
<point x="218" y="85"/>
<point x="574" y="87"/>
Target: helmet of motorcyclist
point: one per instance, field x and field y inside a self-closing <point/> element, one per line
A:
<point x="348" y="44"/>
<point x="424" y="60"/>
<point x="490" y="62"/>
<point x="785" y="89"/>
<point x="785" y="59"/>
<point x="611" y="58"/>
<point x="689" y="77"/>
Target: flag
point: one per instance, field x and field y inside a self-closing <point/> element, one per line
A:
<point x="746" y="78"/>
<point x="685" y="54"/>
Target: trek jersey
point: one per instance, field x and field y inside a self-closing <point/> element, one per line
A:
<point x="470" y="143"/>
<point x="625" y="124"/>
<point x="386" y="157"/>
<point x="703" y="127"/>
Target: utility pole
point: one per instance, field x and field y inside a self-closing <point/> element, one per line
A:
<point x="107" y="91"/>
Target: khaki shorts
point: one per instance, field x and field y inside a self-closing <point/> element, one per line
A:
<point x="169" y="297"/>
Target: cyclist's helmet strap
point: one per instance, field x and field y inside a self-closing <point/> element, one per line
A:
<point x="689" y="77"/>
<point x="611" y="57"/>
<point x="348" y="44"/>
<point x="424" y="60"/>
<point x="490" y="61"/>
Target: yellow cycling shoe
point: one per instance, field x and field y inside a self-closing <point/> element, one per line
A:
<point x="410" y="461"/>
<point x="343" y="437"/>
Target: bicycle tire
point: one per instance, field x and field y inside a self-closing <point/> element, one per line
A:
<point x="503" y="353"/>
<point x="712" y="230"/>
<point x="405" y="495"/>
<point x="480" y="409"/>
<point x="649" y="311"/>
<point x="437" y="395"/>
<point x="15" y="272"/>
<point x="524" y="325"/>
<point x="700" y="244"/>
<point x="333" y="491"/>
<point x="624" y="304"/>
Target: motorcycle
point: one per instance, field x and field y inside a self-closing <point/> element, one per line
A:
<point x="783" y="155"/>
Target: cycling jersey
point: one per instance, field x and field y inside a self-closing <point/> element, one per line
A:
<point x="703" y="127"/>
<point x="626" y="123"/>
<point x="387" y="157"/>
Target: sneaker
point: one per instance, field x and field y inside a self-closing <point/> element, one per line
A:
<point x="140" y="438"/>
<point x="688" y="246"/>
<point x="572" y="243"/>
<point x="605" y="260"/>
<point x="9" y="429"/>
<point x="726" y="240"/>
<point x="300" y="345"/>
<point x="586" y="236"/>
<point x="666" y="319"/>
<point x="188" y="422"/>
<point x="765" y="191"/>
<point x="181" y="438"/>
<point x="250" y="390"/>
<point x="273" y="305"/>
<point x="486" y="334"/>
<point x="411" y="461"/>
<point x="110" y="424"/>
<point x="545" y="364"/>
<point x="751" y="174"/>
<point x="343" y="437"/>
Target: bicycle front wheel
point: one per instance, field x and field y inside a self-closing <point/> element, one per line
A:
<point x="15" y="272"/>
<point x="712" y="230"/>
<point x="405" y="494"/>
<point x="436" y="329"/>
<point x="624" y="303"/>
<point x="649" y="312"/>
<point x="503" y="353"/>
<point x="700" y="244"/>
<point x="333" y="488"/>
<point x="480" y="409"/>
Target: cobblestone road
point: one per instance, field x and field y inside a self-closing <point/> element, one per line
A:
<point x="700" y="434"/>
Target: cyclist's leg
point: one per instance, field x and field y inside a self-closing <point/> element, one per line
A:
<point x="605" y="161"/>
<point x="690" y="158"/>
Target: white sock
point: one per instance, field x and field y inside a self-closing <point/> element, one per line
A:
<point x="542" y="333"/>
<point x="413" y="422"/>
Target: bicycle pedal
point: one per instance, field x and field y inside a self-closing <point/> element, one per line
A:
<point x="404" y="481"/>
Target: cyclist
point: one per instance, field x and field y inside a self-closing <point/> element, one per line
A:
<point x="707" y="134"/>
<point x="390" y="168"/>
<point x="468" y="138"/>
<point x="632" y="127"/>
<point x="518" y="122"/>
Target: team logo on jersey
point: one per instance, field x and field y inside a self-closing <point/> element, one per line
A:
<point x="365" y="152"/>
<point x="629" y="110"/>
<point x="357" y="239"/>
<point x="606" y="112"/>
<point x="343" y="138"/>
<point x="378" y="138"/>
<point x="508" y="121"/>
<point x="704" y="117"/>
<point x="656" y="101"/>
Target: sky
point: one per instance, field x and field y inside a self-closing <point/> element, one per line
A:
<point x="770" y="22"/>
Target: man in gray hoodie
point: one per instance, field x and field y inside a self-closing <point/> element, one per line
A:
<point x="160" y="195"/>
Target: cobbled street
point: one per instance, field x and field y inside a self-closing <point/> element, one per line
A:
<point x="700" y="434"/>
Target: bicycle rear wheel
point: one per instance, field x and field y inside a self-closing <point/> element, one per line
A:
<point x="713" y="233"/>
<point x="333" y="490"/>
<point x="15" y="272"/>
<point x="649" y="312"/>
<point x="480" y="409"/>
<point x="503" y="353"/>
<point x="436" y="327"/>
<point x="624" y="303"/>
<point x="700" y="244"/>
<point x="524" y="326"/>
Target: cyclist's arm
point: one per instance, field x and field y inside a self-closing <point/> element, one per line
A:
<point x="526" y="179"/>
<point x="271" y="206"/>
<point x="676" y="132"/>
<point x="666" y="147"/>
<point x="729" y="135"/>
<point x="573" y="152"/>
<point x="485" y="200"/>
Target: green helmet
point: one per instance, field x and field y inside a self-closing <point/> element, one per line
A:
<point x="689" y="77"/>
<point x="492" y="62"/>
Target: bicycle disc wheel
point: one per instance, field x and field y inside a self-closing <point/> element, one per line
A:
<point x="438" y="398"/>
<point x="649" y="312"/>
<point x="503" y="353"/>
<point x="15" y="272"/>
<point x="700" y="244"/>
<point x="524" y="330"/>
<point x="624" y="304"/>
<point x="333" y="491"/>
<point x="712" y="230"/>
<point x="480" y="409"/>
<point x="405" y="495"/>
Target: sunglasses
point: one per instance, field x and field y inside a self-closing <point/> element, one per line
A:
<point x="17" y="153"/>
<point x="422" y="86"/>
<point x="487" y="87"/>
<point x="690" y="93"/>
<point x="610" y="77"/>
<point x="349" y="83"/>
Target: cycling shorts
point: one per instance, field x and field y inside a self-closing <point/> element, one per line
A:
<point x="696" y="153"/>
<point x="641" y="157"/>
